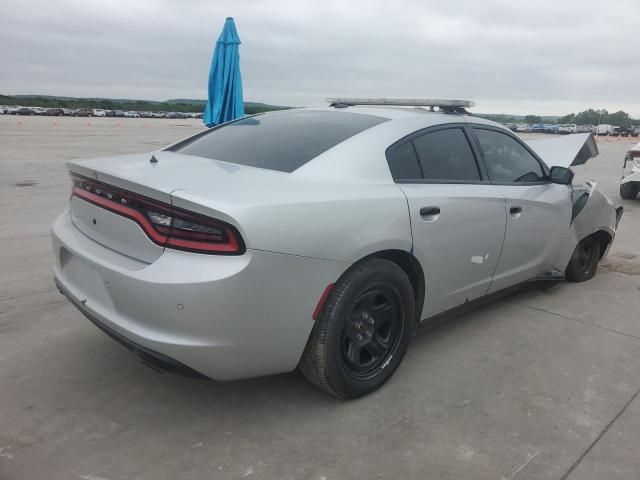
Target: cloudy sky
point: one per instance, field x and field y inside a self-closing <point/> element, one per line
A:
<point x="544" y="57"/>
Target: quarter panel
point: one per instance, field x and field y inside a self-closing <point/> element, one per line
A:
<point x="224" y="316"/>
<point x="339" y="222"/>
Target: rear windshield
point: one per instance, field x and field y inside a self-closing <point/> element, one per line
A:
<point x="281" y="141"/>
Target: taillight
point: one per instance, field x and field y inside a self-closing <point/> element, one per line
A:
<point x="165" y="225"/>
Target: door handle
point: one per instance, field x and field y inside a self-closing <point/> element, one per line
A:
<point x="515" y="211"/>
<point x="430" y="214"/>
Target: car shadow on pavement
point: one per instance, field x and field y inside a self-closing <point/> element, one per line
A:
<point x="130" y="375"/>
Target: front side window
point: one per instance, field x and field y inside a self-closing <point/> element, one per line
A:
<point x="446" y="155"/>
<point x="506" y="159"/>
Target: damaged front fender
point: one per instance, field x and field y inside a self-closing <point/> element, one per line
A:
<point x="593" y="212"/>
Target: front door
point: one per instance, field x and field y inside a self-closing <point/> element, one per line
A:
<point x="538" y="211"/>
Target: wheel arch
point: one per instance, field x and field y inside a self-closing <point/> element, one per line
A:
<point x="410" y="265"/>
<point x="605" y="240"/>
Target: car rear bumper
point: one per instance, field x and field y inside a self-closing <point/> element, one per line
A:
<point x="148" y="357"/>
<point x="224" y="317"/>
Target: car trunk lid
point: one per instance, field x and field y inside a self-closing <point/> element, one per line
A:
<point x="156" y="176"/>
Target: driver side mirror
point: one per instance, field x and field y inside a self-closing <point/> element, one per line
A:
<point x="561" y="175"/>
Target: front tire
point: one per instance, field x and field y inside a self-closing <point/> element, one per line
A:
<point x="629" y="190"/>
<point x="584" y="261"/>
<point x="363" y="331"/>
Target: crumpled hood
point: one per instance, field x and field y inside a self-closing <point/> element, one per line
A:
<point x="565" y="151"/>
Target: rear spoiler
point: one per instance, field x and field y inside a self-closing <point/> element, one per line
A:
<point x="566" y="151"/>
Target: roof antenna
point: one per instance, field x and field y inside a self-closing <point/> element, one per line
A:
<point x="153" y="160"/>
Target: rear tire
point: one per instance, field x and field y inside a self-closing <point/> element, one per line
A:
<point x="363" y="331"/>
<point x="629" y="190"/>
<point x="584" y="261"/>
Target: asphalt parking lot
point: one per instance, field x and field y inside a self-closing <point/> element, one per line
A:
<point x="543" y="384"/>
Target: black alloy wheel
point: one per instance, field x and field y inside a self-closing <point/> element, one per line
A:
<point x="371" y="332"/>
<point x="585" y="258"/>
<point x="363" y="330"/>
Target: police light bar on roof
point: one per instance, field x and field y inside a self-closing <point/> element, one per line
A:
<point x="403" y="102"/>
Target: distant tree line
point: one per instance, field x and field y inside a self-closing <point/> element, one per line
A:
<point x="593" y="117"/>
<point x="588" y="117"/>
<point x="111" y="104"/>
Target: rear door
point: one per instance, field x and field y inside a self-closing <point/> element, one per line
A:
<point x="457" y="217"/>
<point x="538" y="211"/>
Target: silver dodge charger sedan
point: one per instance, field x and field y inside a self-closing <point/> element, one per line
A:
<point x="321" y="238"/>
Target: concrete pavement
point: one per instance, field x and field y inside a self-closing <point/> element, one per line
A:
<point x="542" y="384"/>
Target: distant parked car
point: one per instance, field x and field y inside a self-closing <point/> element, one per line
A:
<point x="176" y="115"/>
<point x="118" y="113"/>
<point x="98" y="112"/>
<point x="83" y="112"/>
<point x="23" y="111"/>
<point x="630" y="182"/>
<point x="604" y="129"/>
<point x="585" y="128"/>
<point x="568" y="128"/>
<point x="132" y="114"/>
<point x="55" y="112"/>
<point x="158" y="115"/>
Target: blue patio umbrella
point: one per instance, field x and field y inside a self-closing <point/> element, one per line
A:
<point x="225" y="101"/>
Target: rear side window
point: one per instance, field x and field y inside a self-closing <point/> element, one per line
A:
<point x="506" y="160"/>
<point x="446" y="155"/>
<point x="403" y="162"/>
<point x="281" y="141"/>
